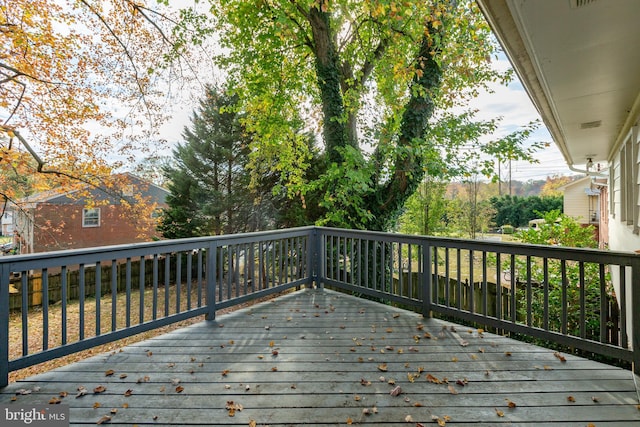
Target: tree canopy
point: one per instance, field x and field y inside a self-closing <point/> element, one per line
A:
<point x="83" y="87"/>
<point x="380" y="80"/>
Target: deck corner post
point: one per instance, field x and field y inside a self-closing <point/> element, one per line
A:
<point x="211" y="277"/>
<point x="427" y="280"/>
<point x="318" y="258"/>
<point x="635" y="316"/>
<point x="4" y="325"/>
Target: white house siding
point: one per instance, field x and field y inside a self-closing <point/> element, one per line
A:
<point x="577" y="204"/>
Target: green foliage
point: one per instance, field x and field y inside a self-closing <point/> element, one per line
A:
<point x="370" y="76"/>
<point x="425" y="209"/>
<point x="559" y="229"/>
<point x="518" y="211"/>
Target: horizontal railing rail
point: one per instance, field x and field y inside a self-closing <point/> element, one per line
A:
<point x="83" y="298"/>
<point x="90" y="297"/>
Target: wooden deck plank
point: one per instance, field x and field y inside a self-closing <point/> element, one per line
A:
<point x="336" y="355"/>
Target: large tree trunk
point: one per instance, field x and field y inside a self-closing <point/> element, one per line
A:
<point x="389" y="198"/>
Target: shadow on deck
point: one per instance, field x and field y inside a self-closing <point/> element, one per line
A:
<point x="319" y="357"/>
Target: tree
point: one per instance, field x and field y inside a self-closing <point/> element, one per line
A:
<point x="424" y="209"/>
<point x="378" y="76"/>
<point x="209" y="183"/>
<point x="83" y="83"/>
<point x="518" y="211"/>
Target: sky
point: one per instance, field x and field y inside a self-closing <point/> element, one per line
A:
<point x="515" y="107"/>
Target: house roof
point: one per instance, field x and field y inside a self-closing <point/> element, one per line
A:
<point x="579" y="62"/>
<point x="156" y="193"/>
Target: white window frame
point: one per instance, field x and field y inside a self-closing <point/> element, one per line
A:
<point x="89" y="218"/>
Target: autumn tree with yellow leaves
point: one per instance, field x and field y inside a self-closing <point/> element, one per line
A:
<point x="84" y="86"/>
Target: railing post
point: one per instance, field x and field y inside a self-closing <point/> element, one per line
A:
<point x="5" y="278"/>
<point x="635" y="316"/>
<point x="318" y="258"/>
<point x="427" y="280"/>
<point x="212" y="277"/>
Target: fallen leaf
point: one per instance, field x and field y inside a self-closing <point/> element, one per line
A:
<point x="382" y="367"/>
<point x="396" y="391"/>
<point x="81" y="391"/>
<point x="396" y="315"/>
<point x="163" y="389"/>
<point x="408" y="419"/>
<point x="433" y="379"/>
<point x="559" y="357"/>
<point x="507" y="353"/>
<point x="571" y="399"/>
<point x="499" y="412"/>
<point x="274" y="369"/>
<point x="123" y="376"/>
<point x="511" y="404"/>
<point x="149" y="353"/>
<point x="357" y="398"/>
<point x="97" y="405"/>
<point x="114" y="411"/>
<point x="54" y="401"/>
<point x="175" y="381"/>
<point x="225" y="372"/>
<point x="63" y="394"/>
<point x="452" y="390"/>
<point x="349" y="421"/>
<point x="104" y="419"/>
<point x="595" y="399"/>
<point x="364" y="382"/>
<point x="252" y="423"/>
<point x="125" y="405"/>
<point x="128" y="393"/>
<point x="99" y="389"/>
<point x="179" y="389"/>
<point x="109" y="373"/>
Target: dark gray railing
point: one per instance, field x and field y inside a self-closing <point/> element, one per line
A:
<point x="561" y="295"/>
<point x="119" y="291"/>
<point x="100" y="295"/>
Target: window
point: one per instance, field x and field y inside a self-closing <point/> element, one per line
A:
<point x="91" y="217"/>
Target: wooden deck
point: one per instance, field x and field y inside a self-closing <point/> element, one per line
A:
<point x="322" y="358"/>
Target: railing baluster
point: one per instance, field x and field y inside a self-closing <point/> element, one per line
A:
<point x="98" y="287"/>
<point x="604" y="305"/>
<point x="189" y="255"/>
<point x="545" y="312"/>
<point x="178" y="281"/>
<point x="64" y="297"/>
<point x="25" y="312"/>
<point x="114" y="293"/>
<point x="498" y="287"/>
<point x="200" y="277"/>
<point x="563" y="316"/>
<point x="471" y="288"/>
<point x="529" y="293"/>
<point x="127" y="287"/>
<point x="458" y="279"/>
<point x="82" y="291"/>
<point x="624" y="339"/>
<point x="485" y="285"/>
<point x="583" y="322"/>
<point x="155" y="286"/>
<point x="45" y="309"/>
<point x="167" y="282"/>
<point x="141" y="289"/>
<point x="514" y="285"/>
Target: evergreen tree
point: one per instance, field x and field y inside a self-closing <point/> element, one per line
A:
<point x="208" y="179"/>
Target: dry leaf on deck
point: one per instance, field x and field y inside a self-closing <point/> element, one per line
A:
<point x="104" y="419"/>
<point x="97" y="405"/>
<point x="452" y="390"/>
<point x="510" y="403"/>
<point x="396" y="391"/>
<point x="100" y="389"/>
<point x="54" y="401"/>
<point x="499" y="412"/>
<point x="109" y="373"/>
<point x="571" y="399"/>
<point x="382" y="367"/>
<point x="179" y="389"/>
<point x="560" y="357"/>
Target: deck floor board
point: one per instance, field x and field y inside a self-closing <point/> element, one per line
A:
<point x="318" y="357"/>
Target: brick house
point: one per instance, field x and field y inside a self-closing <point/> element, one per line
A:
<point x="88" y="217"/>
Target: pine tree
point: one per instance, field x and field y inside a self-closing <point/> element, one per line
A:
<point x="208" y="180"/>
